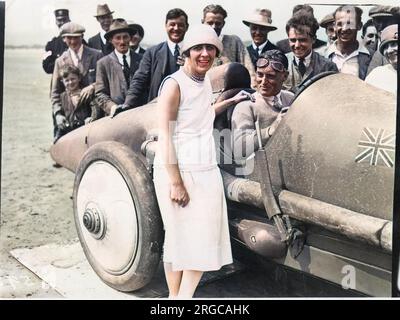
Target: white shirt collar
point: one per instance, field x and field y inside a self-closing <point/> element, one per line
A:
<point x="270" y="100"/>
<point x="120" y="57"/>
<point x="260" y="47"/>
<point x="137" y="49"/>
<point x="102" y="33"/>
<point x="307" y="59"/>
<point x="333" y="49"/>
<point x="171" y="46"/>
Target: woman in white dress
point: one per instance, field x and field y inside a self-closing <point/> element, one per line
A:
<point x="187" y="180"/>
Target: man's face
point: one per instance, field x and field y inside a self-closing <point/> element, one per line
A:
<point x="371" y="37"/>
<point x="105" y="21"/>
<point x="176" y="29"/>
<point x="269" y="81"/>
<point x="330" y="32"/>
<point x="120" y="41"/>
<point x="346" y="26"/>
<point x="74" y="43"/>
<point x="259" y="34"/>
<point x="300" y="41"/>
<point x="61" y="20"/>
<point x="215" y="21"/>
<point x="135" y="39"/>
<point x="390" y="52"/>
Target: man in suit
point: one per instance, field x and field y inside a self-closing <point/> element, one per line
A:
<point x="105" y="18"/>
<point x="260" y="25"/>
<point x="284" y="45"/>
<point x="136" y="38"/>
<point x="79" y="55"/>
<point x="304" y="62"/>
<point x="115" y="70"/>
<point x="56" y="46"/>
<point x="158" y="62"/>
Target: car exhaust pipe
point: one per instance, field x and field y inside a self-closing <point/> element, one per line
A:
<point x="261" y="238"/>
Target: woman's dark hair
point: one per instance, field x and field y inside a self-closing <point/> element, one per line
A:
<point x="176" y="13"/>
<point x="68" y="69"/>
<point x="303" y="19"/>
<point x="216" y="9"/>
<point x="186" y="54"/>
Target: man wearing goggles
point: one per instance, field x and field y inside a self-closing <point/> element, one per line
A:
<point x="304" y="62"/>
<point x="267" y="108"/>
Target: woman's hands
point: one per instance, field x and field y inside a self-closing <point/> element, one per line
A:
<point x="179" y="194"/>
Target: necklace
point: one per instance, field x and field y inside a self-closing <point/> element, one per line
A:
<point x="198" y="79"/>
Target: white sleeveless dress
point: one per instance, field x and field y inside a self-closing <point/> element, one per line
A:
<point x="196" y="236"/>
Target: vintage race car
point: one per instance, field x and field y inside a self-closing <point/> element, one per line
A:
<point x="319" y="200"/>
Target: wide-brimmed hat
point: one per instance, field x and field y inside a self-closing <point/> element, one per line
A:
<point x="103" y="10"/>
<point x="389" y="34"/>
<point x="261" y="17"/>
<point x="201" y="34"/>
<point x="118" y="26"/>
<point x="329" y="18"/>
<point x="381" y="11"/>
<point x="136" y="26"/>
<point x="61" y="13"/>
<point x="72" y="29"/>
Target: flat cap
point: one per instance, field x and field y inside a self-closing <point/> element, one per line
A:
<point x="380" y="11"/>
<point x="72" y="29"/>
<point x="329" y="18"/>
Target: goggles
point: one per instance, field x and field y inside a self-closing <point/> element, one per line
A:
<point x="276" y="65"/>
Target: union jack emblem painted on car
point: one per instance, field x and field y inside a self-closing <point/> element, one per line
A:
<point x="376" y="147"/>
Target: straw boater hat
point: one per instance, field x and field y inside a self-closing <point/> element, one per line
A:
<point x="262" y="17"/>
<point x="389" y="34"/>
<point x="137" y="27"/>
<point x="329" y="18"/>
<point x="118" y="26"/>
<point x="201" y="34"/>
<point x="72" y="29"/>
<point x="103" y="10"/>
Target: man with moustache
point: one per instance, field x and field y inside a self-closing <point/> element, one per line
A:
<point x="78" y="55"/>
<point x="105" y="18"/>
<point x="304" y="62"/>
<point x="385" y="77"/>
<point x="350" y="56"/>
<point x="115" y="70"/>
<point x="260" y="25"/>
<point x="158" y="62"/>
<point x="268" y="108"/>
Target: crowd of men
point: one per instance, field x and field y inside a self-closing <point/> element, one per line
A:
<point x="112" y="73"/>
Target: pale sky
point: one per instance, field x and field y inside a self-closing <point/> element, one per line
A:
<point x="32" y="22"/>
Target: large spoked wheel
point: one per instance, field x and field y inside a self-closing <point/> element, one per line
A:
<point x="117" y="216"/>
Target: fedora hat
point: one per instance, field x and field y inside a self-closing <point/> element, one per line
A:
<point x="136" y="26"/>
<point x="103" y="10"/>
<point x="261" y="17"/>
<point x="201" y="34"/>
<point x="118" y="26"/>
<point x="72" y="29"/>
<point x="389" y="34"/>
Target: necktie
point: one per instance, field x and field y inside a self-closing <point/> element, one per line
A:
<point x="176" y="53"/>
<point x="79" y="61"/>
<point x="126" y="69"/>
<point x="302" y="67"/>
<point x="257" y="54"/>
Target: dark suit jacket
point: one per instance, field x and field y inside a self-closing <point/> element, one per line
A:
<point x="111" y="86"/>
<point x="57" y="46"/>
<point x="253" y="54"/>
<point x="284" y="46"/>
<point x="153" y="68"/>
<point x="95" y="42"/>
<point x="89" y="61"/>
